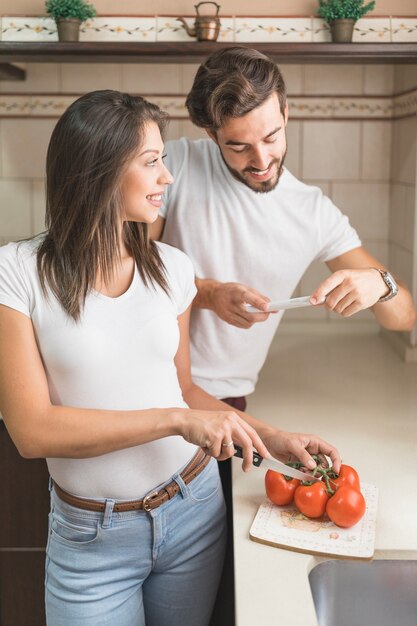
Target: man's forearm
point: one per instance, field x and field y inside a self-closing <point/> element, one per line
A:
<point x="204" y="297"/>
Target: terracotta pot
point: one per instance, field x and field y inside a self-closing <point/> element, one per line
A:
<point x="68" y="29"/>
<point x="342" y="30"/>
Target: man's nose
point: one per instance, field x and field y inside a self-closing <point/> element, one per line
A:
<point x="260" y="158"/>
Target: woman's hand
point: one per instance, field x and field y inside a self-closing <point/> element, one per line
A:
<point x="215" y="430"/>
<point x="285" y="446"/>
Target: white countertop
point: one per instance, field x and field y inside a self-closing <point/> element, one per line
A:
<point x="357" y="393"/>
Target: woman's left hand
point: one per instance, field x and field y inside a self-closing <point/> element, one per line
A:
<point x="285" y="446"/>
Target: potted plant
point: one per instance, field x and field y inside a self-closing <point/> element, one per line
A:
<point x="341" y="15"/>
<point x="68" y="15"/>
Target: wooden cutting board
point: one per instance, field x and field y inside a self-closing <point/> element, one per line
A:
<point x="285" y="527"/>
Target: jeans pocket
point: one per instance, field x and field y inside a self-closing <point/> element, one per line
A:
<point x="74" y="534"/>
<point x="206" y="485"/>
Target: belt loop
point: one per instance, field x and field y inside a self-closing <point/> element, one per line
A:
<point x="181" y="484"/>
<point x="50" y="484"/>
<point x="108" y="511"/>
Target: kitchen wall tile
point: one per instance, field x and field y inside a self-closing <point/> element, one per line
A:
<point x="188" y="129"/>
<point x="402" y="215"/>
<point x="376" y="150"/>
<point x="174" y="106"/>
<point x="331" y="150"/>
<point x="23" y="146"/>
<point x="313" y="276"/>
<point x="293" y="77"/>
<point x="187" y="75"/>
<point x="40" y="77"/>
<point x="333" y="79"/>
<point x="379" y="79"/>
<point x="145" y="79"/>
<point x="49" y="106"/>
<point x="401" y="263"/>
<point x="38" y="206"/>
<point x="405" y="78"/>
<point x="15" y="213"/>
<point x="173" y="130"/>
<point x="359" y="107"/>
<point x="378" y="249"/>
<point x="81" y="78"/>
<point x="301" y="107"/>
<point x="404" y="29"/>
<point x="119" y="29"/>
<point x="28" y="29"/>
<point x="404" y="148"/>
<point x="170" y="29"/>
<point x="405" y="105"/>
<point x="372" y="29"/>
<point x="15" y="106"/>
<point x="292" y="160"/>
<point x="321" y="30"/>
<point x="272" y="29"/>
<point x="366" y="205"/>
<point x="324" y="185"/>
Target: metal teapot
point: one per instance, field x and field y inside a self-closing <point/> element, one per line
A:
<point x="206" y="27"/>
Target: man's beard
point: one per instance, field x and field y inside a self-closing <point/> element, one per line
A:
<point x="262" y="186"/>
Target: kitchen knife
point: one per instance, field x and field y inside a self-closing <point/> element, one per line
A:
<point x="293" y="303"/>
<point x="276" y="465"/>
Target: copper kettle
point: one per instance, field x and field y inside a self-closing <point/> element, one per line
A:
<point x="206" y="27"/>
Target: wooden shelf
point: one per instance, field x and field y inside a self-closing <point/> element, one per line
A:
<point x="195" y="52"/>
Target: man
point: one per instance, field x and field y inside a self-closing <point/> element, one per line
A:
<point x="252" y="229"/>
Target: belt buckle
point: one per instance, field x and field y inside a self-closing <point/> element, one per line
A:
<point x="146" y="506"/>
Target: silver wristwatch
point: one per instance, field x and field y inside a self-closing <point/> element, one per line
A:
<point x="390" y="283"/>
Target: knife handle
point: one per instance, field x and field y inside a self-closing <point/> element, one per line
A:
<point x="257" y="458"/>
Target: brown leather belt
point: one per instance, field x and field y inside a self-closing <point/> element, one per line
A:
<point x="199" y="461"/>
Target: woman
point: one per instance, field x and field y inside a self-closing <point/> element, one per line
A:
<point x="95" y="377"/>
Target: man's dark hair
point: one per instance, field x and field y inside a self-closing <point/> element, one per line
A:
<point x="232" y="82"/>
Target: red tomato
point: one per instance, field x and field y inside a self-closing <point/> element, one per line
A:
<point x="346" y="507"/>
<point x="278" y="489"/>
<point x="311" y="500"/>
<point x="347" y="476"/>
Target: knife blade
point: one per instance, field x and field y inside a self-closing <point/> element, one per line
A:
<point x="276" y="465"/>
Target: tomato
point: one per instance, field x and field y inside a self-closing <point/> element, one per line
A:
<point x="278" y="489"/>
<point x="311" y="500"/>
<point x="346" y="507"/>
<point x="347" y="476"/>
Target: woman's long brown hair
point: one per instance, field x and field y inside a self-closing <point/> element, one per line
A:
<point x="89" y="148"/>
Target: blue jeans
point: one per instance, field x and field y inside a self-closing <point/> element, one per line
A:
<point x="130" y="569"/>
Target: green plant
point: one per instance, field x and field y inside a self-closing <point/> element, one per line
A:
<point x="331" y="10"/>
<point x="75" y="9"/>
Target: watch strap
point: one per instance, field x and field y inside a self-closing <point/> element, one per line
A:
<point x="390" y="283"/>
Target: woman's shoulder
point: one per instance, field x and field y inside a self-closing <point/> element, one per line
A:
<point x="173" y="256"/>
<point x="19" y="254"/>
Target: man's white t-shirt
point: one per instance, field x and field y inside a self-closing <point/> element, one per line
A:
<point x="231" y="233"/>
<point x="120" y="356"/>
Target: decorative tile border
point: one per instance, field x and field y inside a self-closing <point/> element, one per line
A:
<point x="404" y="29"/>
<point x="405" y="105"/>
<point x="238" y="28"/>
<point x="301" y="107"/>
<point x="297" y="29"/>
<point x="376" y="29"/>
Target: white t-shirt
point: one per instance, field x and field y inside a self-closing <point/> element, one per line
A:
<point x="231" y="233"/>
<point x="119" y="356"/>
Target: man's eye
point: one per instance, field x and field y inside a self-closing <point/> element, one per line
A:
<point x="238" y="150"/>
